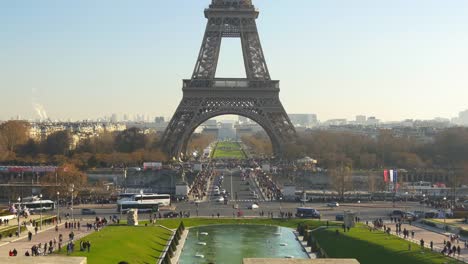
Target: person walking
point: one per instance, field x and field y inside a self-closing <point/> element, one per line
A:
<point x="431" y="245"/>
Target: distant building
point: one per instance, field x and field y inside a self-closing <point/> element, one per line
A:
<point x="159" y="119"/>
<point x="226" y="131"/>
<point x="361" y="119"/>
<point x="303" y="120"/>
<point x="463" y="118"/>
<point x="243" y="120"/>
<point x="372" y="120"/>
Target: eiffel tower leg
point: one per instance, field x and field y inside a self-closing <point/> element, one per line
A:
<point x="207" y="61"/>
<point x="254" y="60"/>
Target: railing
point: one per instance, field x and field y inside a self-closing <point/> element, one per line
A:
<point x="231" y="83"/>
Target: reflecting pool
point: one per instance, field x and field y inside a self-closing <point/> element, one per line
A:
<point x="229" y="244"/>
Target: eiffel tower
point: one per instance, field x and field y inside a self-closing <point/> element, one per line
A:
<point x="204" y="96"/>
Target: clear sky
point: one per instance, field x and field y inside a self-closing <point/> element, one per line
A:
<point x="394" y="59"/>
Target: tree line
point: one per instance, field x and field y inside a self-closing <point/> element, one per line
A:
<point x="130" y="147"/>
<point x="448" y="149"/>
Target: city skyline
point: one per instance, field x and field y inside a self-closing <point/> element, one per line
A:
<point x="393" y="60"/>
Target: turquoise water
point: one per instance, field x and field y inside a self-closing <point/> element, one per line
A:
<point x="229" y="244"/>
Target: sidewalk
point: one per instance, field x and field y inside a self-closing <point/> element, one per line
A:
<point x="47" y="234"/>
<point x="428" y="236"/>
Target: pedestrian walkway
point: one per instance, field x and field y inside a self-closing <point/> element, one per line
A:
<point x="428" y="236"/>
<point x="22" y="244"/>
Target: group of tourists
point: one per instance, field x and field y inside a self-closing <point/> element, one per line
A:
<point x="72" y="225"/>
<point x="450" y="249"/>
<point x="198" y="190"/>
<point x="271" y="190"/>
<point x="4" y="221"/>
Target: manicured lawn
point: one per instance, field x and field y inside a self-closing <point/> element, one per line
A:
<point x="374" y="247"/>
<point x="112" y="244"/>
<point x="227" y="149"/>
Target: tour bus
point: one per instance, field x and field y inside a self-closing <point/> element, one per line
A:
<point x="143" y="207"/>
<point x="43" y="205"/>
<point x="161" y="199"/>
<point x="307" y="212"/>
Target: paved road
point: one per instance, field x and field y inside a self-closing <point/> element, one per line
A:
<point x="366" y="211"/>
<point x="239" y="189"/>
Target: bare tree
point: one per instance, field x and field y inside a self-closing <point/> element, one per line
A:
<point x="13" y="133"/>
<point x="341" y="178"/>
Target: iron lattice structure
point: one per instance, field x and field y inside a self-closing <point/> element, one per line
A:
<point x="204" y="96"/>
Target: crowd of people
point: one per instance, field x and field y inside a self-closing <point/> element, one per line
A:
<point x="43" y="249"/>
<point x="199" y="187"/>
<point x="269" y="187"/>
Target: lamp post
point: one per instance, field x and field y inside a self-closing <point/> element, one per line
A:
<point x="231" y="186"/>
<point x="422" y="204"/>
<point x="281" y="205"/>
<point x="18" y="212"/>
<point x="40" y="207"/>
<point x="445" y="211"/>
<point x="58" y="206"/>
<point x="72" y="190"/>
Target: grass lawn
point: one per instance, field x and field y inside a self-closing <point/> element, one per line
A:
<point x="112" y="244"/>
<point x="374" y="247"/>
<point x="227" y="149"/>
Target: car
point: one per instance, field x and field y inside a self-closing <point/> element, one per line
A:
<point x="171" y="215"/>
<point x="397" y="213"/>
<point x="86" y="211"/>
<point x="333" y="204"/>
<point x="253" y="206"/>
<point x="409" y="216"/>
<point x="220" y="199"/>
<point x="339" y="217"/>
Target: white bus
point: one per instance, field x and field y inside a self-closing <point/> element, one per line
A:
<point x="44" y="205"/>
<point x="143" y="207"/>
<point x="159" y="199"/>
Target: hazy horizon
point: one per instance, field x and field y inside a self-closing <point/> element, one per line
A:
<point x="85" y="59"/>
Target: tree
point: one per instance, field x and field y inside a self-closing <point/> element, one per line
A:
<point x="58" y="143"/>
<point x="130" y="140"/>
<point x="13" y="133"/>
<point x="198" y="142"/>
<point x="341" y="175"/>
<point x="30" y="148"/>
<point x="66" y="176"/>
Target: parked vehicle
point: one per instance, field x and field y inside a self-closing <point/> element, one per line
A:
<point x="339" y="217"/>
<point x="307" y="212"/>
<point x="86" y="211"/>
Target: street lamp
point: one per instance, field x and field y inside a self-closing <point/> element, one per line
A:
<point x="58" y="206"/>
<point x="445" y="211"/>
<point x="18" y="212"/>
<point x="231" y="186"/>
<point x="72" y="190"/>
<point x="40" y="207"/>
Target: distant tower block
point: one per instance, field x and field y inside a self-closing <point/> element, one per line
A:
<point x="255" y="97"/>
